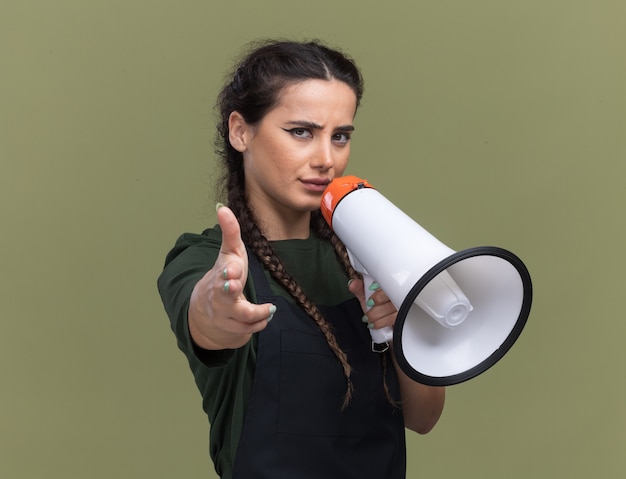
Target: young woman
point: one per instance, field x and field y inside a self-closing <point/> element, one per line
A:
<point x="266" y="306"/>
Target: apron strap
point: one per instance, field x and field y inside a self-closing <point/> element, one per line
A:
<point x="257" y="273"/>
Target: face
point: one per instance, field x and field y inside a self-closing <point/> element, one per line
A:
<point x="300" y="145"/>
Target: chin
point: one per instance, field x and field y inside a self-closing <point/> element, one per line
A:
<point x="312" y="203"/>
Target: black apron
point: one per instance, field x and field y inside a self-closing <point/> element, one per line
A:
<point x="294" y="427"/>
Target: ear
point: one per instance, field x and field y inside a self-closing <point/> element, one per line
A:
<point x="238" y="131"/>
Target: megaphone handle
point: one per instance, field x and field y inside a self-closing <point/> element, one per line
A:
<point x="382" y="335"/>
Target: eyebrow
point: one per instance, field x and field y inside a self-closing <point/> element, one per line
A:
<point x="315" y="126"/>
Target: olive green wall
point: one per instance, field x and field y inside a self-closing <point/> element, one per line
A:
<point x="489" y="122"/>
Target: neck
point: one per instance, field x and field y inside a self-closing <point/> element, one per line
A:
<point x="279" y="222"/>
<point x="279" y="226"/>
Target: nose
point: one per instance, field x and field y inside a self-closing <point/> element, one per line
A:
<point x="324" y="157"/>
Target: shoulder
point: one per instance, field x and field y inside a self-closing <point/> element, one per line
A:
<point x="196" y="245"/>
<point x="189" y="259"/>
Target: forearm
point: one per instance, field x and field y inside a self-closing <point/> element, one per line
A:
<point x="422" y="405"/>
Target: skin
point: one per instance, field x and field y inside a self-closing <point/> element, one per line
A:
<point x="289" y="158"/>
<point x="294" y="152"/>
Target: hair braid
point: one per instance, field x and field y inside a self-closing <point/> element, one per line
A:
<point x="253" y="237"/>
<point x="321" y="228"/>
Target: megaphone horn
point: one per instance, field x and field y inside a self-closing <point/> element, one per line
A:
<point x="458" y="312"/>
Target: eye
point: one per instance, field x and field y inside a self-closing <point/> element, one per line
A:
<point x="300" y="132"/>
<point x="341" y="137"/>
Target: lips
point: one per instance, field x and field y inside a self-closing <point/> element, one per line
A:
<point x="316" y="184"/>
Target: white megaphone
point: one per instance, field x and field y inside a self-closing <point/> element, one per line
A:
<point x="458" y="312"/>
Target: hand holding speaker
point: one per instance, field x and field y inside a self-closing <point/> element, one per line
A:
<point x="458" y="312"/>
<point x="380" y="312"/>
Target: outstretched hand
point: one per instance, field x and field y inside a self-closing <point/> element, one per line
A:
<point x="220" y="316"/>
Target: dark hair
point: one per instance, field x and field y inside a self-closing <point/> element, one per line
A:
<point x="253" y="90"/>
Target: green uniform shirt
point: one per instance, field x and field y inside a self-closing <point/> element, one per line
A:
<point x="224" y="378"/>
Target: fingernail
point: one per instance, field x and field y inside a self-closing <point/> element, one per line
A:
<point x="370" y="302"/>
<point x="374" y="286"/>
<point x="272" y="311"/>
<point x="225" y="273"/>
<point x="350" y="282"/>
<point x="218" y="206"/>
<point x="226" y="286"/>
<point x="370" y="325"/>
<point x="364" y="319"/>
